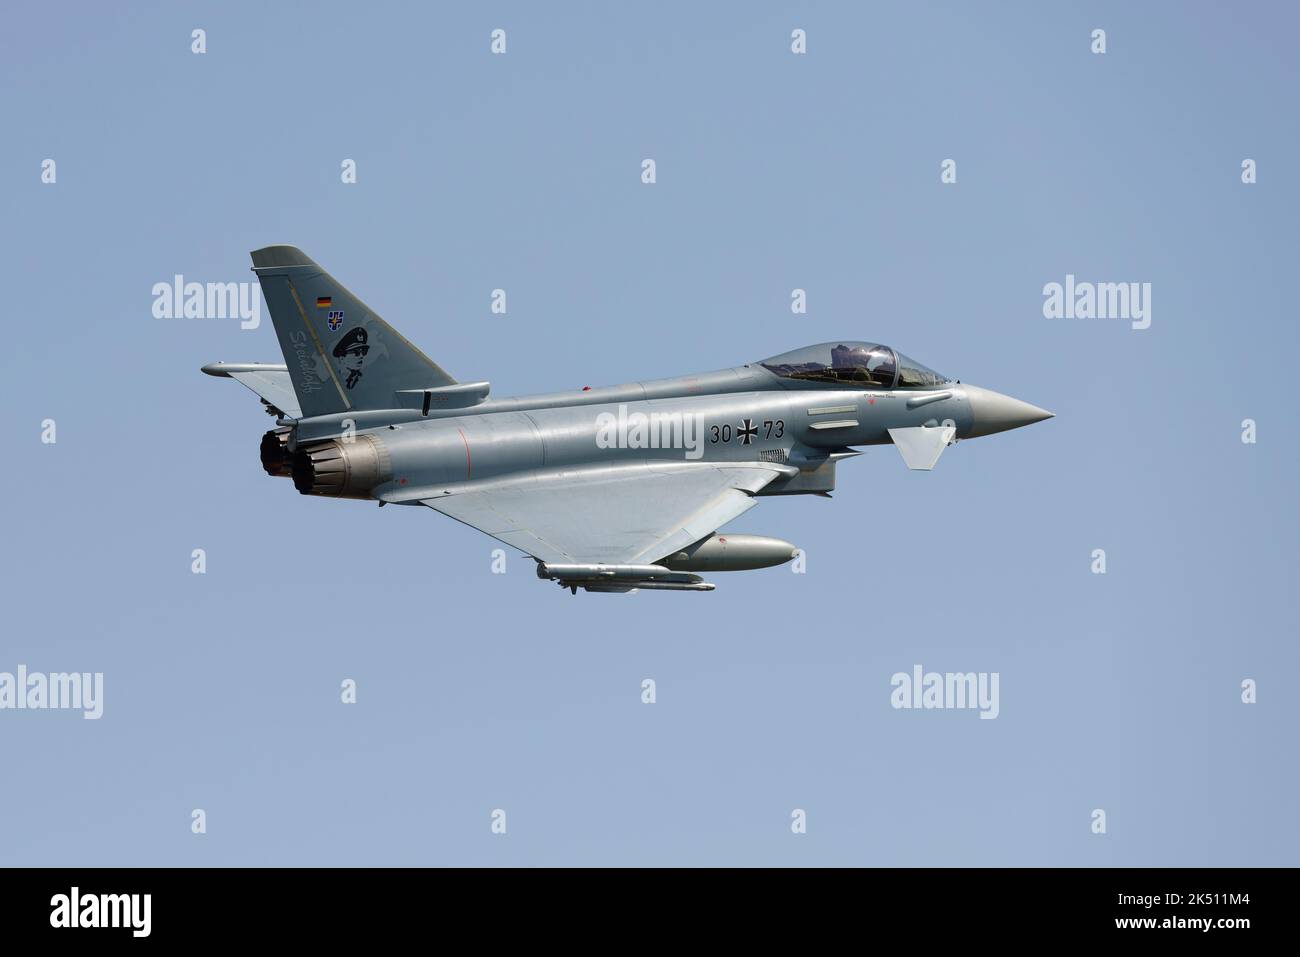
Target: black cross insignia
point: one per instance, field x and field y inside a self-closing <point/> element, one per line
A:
<point x="747" y="432"/>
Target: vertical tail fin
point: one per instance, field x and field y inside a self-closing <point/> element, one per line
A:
<point x="341" y="356"/>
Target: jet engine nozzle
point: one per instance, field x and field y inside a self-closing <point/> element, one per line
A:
<point x="342" y="469"/>
<point x="276" y="457"/>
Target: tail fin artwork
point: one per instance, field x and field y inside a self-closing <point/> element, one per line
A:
<point x="341" y="356"/>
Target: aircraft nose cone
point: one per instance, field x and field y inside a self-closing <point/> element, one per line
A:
<point x="994" y="412"/>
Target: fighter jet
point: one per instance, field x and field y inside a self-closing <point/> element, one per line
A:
<point x="609" y="489"/>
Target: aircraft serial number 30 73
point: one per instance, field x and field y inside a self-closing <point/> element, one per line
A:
<point x="610" y="489"/>
<point x="747" y="431"/>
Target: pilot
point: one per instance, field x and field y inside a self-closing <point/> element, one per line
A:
<point x="351" y="353"/>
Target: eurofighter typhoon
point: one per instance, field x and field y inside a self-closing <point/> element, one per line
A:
<point x="610" y="489"/>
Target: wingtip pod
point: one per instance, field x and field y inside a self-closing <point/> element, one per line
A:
<point x="227" y="370"/>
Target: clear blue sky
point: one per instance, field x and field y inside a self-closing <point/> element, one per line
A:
<point x="775" y="172"/>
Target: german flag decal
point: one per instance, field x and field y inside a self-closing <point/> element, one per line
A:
<point x="324" y="302"/>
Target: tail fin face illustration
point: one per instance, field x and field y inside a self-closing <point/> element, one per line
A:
<point x="341" y="356"/>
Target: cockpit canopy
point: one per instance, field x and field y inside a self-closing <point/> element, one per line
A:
<point x="860" y="365"/>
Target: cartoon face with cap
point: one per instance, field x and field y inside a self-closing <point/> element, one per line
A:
<point x="351" y="352"/>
